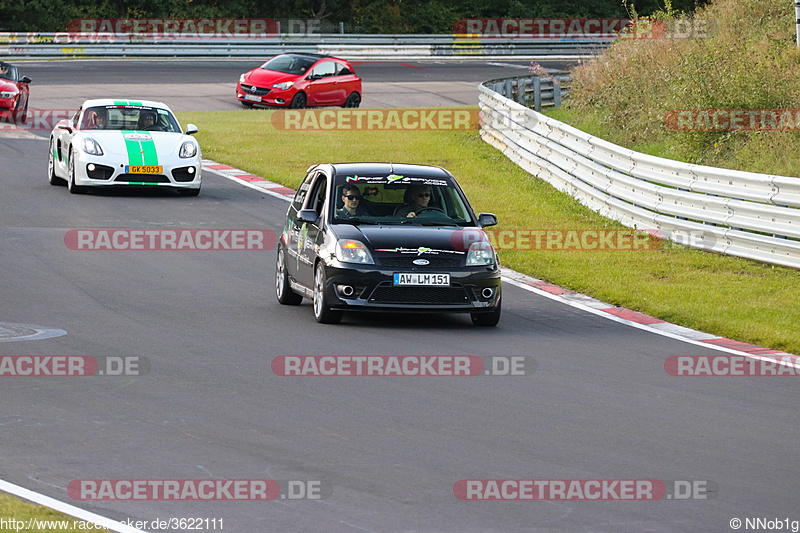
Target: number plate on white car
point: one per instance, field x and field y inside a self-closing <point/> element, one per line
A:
<point x="421" y="279"/>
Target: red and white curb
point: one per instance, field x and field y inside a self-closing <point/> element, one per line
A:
<point x="554" y="292"/>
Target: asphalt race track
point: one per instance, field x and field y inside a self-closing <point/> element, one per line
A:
<point x="387" y="451"/>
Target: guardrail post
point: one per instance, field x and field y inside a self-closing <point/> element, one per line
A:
<point x="521" y="96"/>
<point x="556" y="93"/>
<point x="508" y="90"/>
<point x="537" y="93"/>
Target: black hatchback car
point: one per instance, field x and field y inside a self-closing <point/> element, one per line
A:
<point x="387" y="237"/>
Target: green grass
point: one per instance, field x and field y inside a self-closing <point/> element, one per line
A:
<point x="14" y="508"/>
<point x="736" y="298"/>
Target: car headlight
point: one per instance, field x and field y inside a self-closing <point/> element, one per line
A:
<point x="352" y="251"/>
<point x="91" y="147"/>
<point x="8" y="94"/>
<point x="241" y="78"/>
<point x="283" y="86"/>
<point x="188" y="149"/>
<point x="480" y="253"/>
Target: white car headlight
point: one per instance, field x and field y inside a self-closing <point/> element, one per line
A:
<point x="91" y="147"/>
<point x="283" y="86"/>
<point x="352" y="251"/>
<point x="241" y="78"/>
<point x="480" y="253"/>
<point x="188" y="149"/>
<point x="8" y="94"/>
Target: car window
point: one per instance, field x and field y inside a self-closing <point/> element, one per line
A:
<point x="324" y="69"/>
<point x="112" y="117"/>
<point x="316" y="200"/>
<point x="302" y="191"/>
<point x="342" y="70"/>
<point x="289" y="64"/>
<point x="389" y="199"/>
<point x="8" y="72"/>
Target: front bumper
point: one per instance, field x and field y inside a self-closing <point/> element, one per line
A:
<point x="371" y="288"/>
<point x="185" y="174"/>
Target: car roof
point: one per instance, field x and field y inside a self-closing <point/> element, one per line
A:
<point x="307" y="54"/>
<point x="390" y="168"/>
<point x="124" y="101"/>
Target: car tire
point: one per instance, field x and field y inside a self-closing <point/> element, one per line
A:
<point x="51" y="166"/>
<point x="299" y="101"/>
<point x="354" y="100"/>
<point x="283" y="290"/>
<point x="322" y="312"/>
<point x="487" y="319"/>
<point x="73" y="189"/>
<point x="189" y="192"/>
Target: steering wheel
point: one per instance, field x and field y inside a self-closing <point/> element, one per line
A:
<point x="429" y="208"/>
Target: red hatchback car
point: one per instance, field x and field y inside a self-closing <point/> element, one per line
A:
<point x="301" y="80"/>
<point x="13" y="94"/>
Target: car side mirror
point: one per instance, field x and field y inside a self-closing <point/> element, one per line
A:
<point x="64" y="125"/>
<point x="25" y="79"/>
<point x="306" y="215"/>
<point x="315" y="77"/>
<point x="191" y="129"/>
<point x="487" y="219"/>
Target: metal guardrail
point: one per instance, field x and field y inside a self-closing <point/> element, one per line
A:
<point x="68" y="45"/>
<point x="744" y="214"/>
<point x="533" y="91"/>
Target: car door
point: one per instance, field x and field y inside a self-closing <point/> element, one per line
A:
<point x="62" y="136"/>
<point x="322" y="84"/>
<point x="293" y="229"/>
<point x="312" y="233"/>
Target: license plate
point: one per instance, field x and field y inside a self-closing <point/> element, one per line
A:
<point x="421" y="279"/>
<point x="252" y="97"/>
<point x="144" y="169"/>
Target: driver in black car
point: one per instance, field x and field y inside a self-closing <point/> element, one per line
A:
<point x="417" y="197"/>
<point x="351" y="198"/>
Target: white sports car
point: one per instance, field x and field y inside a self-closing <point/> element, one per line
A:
<point x="112" y="143"/>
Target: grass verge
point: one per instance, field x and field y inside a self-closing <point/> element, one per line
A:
<point x="736" y="298"/>
<point x="45" y="520"/>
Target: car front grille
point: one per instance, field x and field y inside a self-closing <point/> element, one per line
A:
<point x="387" y="294"/>
<point x="143" y="178"/>
<point x="407" y="262"/>
<point x="259" y="91"/>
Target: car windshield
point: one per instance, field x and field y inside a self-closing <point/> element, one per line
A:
<point x="141" y="118"/>
<point x="8" y="72"/>
<point x="289" y="64"/>
<point x="398" y="200"/>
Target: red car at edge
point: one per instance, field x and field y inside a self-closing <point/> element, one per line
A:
<point x="13" y="94"/>
<point x="299" y="80"/>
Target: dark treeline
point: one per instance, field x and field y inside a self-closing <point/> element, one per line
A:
<point x="358" y="16"/>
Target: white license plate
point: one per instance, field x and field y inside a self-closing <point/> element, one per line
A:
<point x="421" y="279"/>
<point x="252" y="97"/>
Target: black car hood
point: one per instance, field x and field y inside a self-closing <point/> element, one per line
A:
<point x="410" y="236"/>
